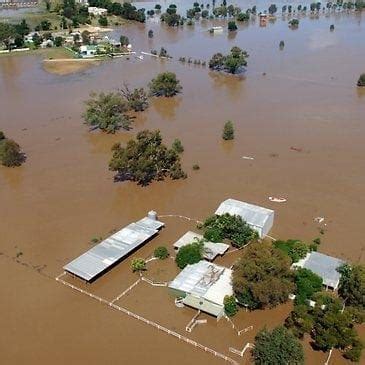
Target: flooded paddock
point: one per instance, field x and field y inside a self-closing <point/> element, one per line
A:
<point x="297" y="112"/>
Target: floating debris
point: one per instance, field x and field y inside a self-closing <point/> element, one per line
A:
<point x="319" y="219"/>
<point x="247" y="158"/>
<point x="277" y="200"/>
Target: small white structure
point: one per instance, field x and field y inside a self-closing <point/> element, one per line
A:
<point x="47" y="43"/>
<point x="324" y="266"/>
<point x="258" y="218"/>
<point x="97" y="11"/>
<point x="203" y="286"/>
<point x="211" y="249"/>
<point x="88" y="51"/>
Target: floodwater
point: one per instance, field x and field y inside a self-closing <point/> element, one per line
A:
<point x="296" y="111"/>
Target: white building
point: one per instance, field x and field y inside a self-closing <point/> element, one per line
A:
<point x="88" y="51"/>
<point x="203" y="286"/>
<point x="258" y="218"/>
<point x="97" y="11"/>
<point x="211" y="249"/>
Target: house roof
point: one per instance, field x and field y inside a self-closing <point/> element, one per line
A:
<point x="252" y="214"/>
<point x="99" y="258"/>
<point x="324" y="266"/>
<point x="211" y="249"/>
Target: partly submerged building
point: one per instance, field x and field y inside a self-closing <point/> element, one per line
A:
<point x="203" y="286"/>
<point x="211" y="249"/>
<point x="324" y="266"/>
<point x="259" y="218"/>
<point x="111" y="251"/>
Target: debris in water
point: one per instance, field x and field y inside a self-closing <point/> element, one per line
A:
<point x="248" y="158"/>
<point x="277" y="200"/>
<point x="297" y="149"/>
<point x="319" y="219"/>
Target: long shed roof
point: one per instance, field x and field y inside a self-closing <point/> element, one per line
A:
<point x="99" y="258"/>
<point x="252" y="214"/>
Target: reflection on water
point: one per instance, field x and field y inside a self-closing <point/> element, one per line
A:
<point x="166" y="107"/>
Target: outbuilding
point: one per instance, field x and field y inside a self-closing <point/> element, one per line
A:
<point x="258" y="218"/>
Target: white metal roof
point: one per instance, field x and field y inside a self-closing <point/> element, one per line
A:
<point x="211" y="249"/>
<point x="114" y="248"/>
<point x="204" y="280"/>
<point x="324" y="266"/>
<point x="252" y="214"/>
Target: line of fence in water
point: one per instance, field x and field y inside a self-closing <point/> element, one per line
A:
<point x="153" y="324"/>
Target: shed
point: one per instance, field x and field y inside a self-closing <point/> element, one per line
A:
<point x="324" y="266"/>
<point x="203" y="286"/>
<point x="211" y="249"/>
<point x="258" y="218"/>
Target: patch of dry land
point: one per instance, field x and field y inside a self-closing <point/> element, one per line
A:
<point x="65" y="66"/>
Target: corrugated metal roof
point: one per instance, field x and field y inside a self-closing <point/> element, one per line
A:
<point x="324" y="266"/>
<point x="114" y="248"/>
<point x="252" y="214"/>
<point x="205" y="280"/>
<point x="211" y="249"/>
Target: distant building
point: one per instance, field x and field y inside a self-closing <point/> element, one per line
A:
<point x="97" y="11"/>
<point x="203" y="286"/>
<point x="211" y="249"/>
<point x="324" y="266"/>
<point x="260" y="219"/>
<point x="47" y="43"/>
<point x="88" y="51"/>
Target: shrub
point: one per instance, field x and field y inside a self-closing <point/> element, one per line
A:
<point x="281" y="45"/>
<point x="10" y="153"/>
<point x="332" y="27"/>
<point x="243" y="17"/>
<point x="228" y="131"/>
<point x="124" y="41"/>
<point x="232" y="26"/>
<point x="230" y="305"/>
<point x="150" y="33"/>
<point x="2" y="135"/>
<point x="196" y="167"/>
<point x="189" y="254"/>
<point x="294" y="23"/>
<point x="165" y="84"/>
<point x="161" y="252"/>
<point x="138" y="264"/>
<point x="103" y="21"/>
<point x="177" y="146"/>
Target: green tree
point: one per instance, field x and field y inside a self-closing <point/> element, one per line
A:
<point x="7" y="33"/>
<point x="124" y="41"/>
<point x="145" y="159"/>
<point x="189" y="254"/>
<point x="58" y="41"/>
<point x="277" y="347"/>
<point x="243" y="17"/>
<point x="103" y="21"/>
<point x="232" y="63"/>
<point x="307" y="283"/>
<point x="300" y="321"/>
<point x="361" y="81"/>
<point x="138" y="264"/>
<point x="165" y="84"/>
<point x="107" y="112"/>
<point x="295" y="249"/>
<point x="228" y="131"/>
<point x="273" y="9"/>
<point x="10" y="153"/>
<point x="161" y="252"/>
<point x="230" y="305"/>
<point x="232" y="26"/>
<point x="177" y="146"/>
<point x="352" y="285"/>
<point x="262" y="276"/>
<point x="137" y="99"/>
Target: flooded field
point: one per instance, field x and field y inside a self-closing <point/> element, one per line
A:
<point x="296" y="111"/>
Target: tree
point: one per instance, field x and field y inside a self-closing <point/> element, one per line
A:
<point x="232" y="63"/>
<point x="230" y="305"/>
<point x="228" y="131"/>
<point x="243" y="17"/>
<point x="300" y="321"/>
<point x="277" y="347"/>
<point x="2" y="135"/>
<point x="177" y="146"/>
<point x="165" y="84"/>
<point x="124" y="41"/>
<point x="273" y="9"/>
<point x="232" y="26"/>
<point x="294" y="23"/>
<point x="137" y="99"/>
<point x="352" y="285"/>
<point x="58" y="41"/>
<point x="10" y="153"/>
<point x="281" y="45"/>
<point x="171" y="19"/>
<point x="361" y="81"/>
<point x="262" y="276"/>
<point x="189" y="254"/>
<point x="230" y="227"/>
<point x="150" y="33"/>
<point x="161" y="252"/>
<point x="107" y="112"/>
<point x="103" y="21"/>
<point x="138" y="264"/>
<point x="85" y="36"/>
<point x="295" y="249"/>
<point x="145" y="159"/>
<point x="7" y="33"/>
<point x="307" y="283"/>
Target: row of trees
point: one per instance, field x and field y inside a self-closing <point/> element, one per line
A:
<point x="10" y="152"/>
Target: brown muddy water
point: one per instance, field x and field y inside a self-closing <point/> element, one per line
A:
<point x="296" y="111"/>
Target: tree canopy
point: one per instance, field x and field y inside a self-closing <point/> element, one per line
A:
<point x="307" y="283"/>
<point x="352" y="285"/>
<point x="189" y="254"/>
<point x="277" y="347"/>
<point x="231" y="63"/>
<point x="146" y="158"/>
<point x="10" y="152"/>
<point x="361" y="81"/>
<point x="161" y="252"/>
<point x="165" y="84"/>
<point x="262" y="276"/>
<point x="231" y="227"/>
<point x="295" y="249"/>
<point x="228" y="131"/>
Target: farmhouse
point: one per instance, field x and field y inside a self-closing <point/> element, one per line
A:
<point x="260" y="219"/>
<point x="111" y="251"/>
<point x="210" y="251"/>
<point x="324" y="266"/>
<point x="203" y="286"/>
